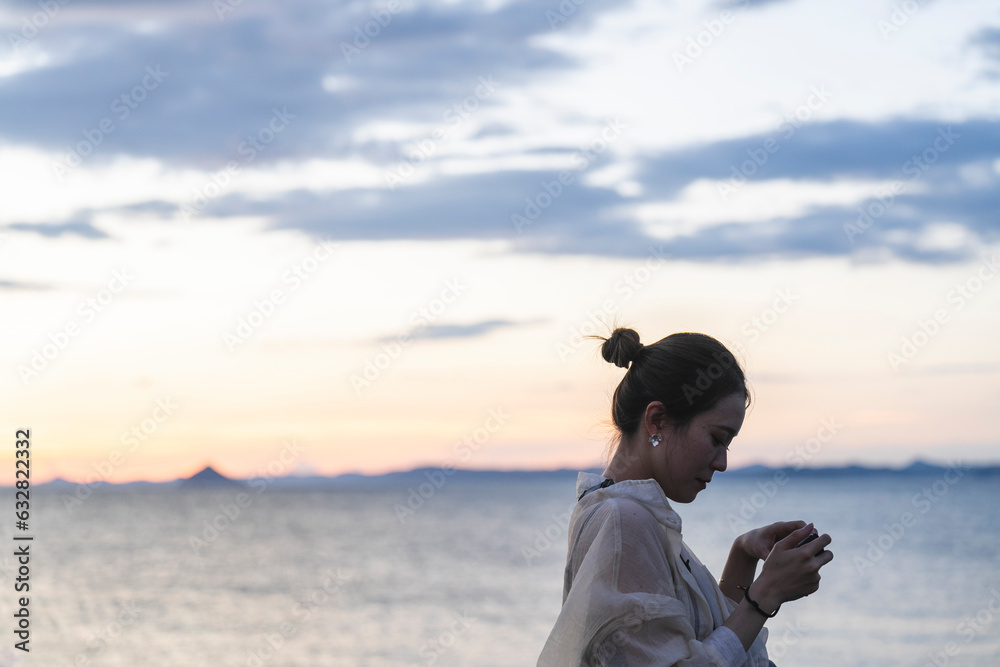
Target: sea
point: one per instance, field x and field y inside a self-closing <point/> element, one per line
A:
<point x="467" y="570"/>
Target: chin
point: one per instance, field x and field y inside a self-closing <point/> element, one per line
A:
<point x="685" y="498"/>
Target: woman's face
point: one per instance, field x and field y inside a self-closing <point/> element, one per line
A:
<point x="685" y="462"/>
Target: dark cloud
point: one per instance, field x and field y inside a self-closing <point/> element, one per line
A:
<point x="957" y="186"/>
<point x="934" y="188"/>
<point x="221" y="83"/>
<point x="930" y="161"/>
<point x="476" y="206"/>
<point x="836" y="149"/>
<point x="194" y="90"/>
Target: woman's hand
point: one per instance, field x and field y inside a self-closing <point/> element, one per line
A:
<point x="791" y="572"/>
<point x="758" y="542"/>
<point x="747" y="550"/>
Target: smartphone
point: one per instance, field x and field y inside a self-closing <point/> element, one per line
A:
<point x="807" y="540"/>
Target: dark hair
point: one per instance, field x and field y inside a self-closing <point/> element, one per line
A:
<point x="688" y="372"/>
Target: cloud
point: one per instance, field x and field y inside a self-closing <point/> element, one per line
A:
<point x="18" y="285"/>
<point x="945" y="174"/>
<point x="988" y="39"/>
<point x="734" y="5"/>
<point x="218" y="81"/>
<point x="78" y="226"/>
<point x="191" y="89"/>
<point x="438" y="331"/>
<point x="832" y="149"/>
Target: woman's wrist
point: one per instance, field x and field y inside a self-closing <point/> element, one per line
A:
<point x="763" y="595"/>
<point x="739" y="570"/>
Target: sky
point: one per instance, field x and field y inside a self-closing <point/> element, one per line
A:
<point x="316" y="238"/>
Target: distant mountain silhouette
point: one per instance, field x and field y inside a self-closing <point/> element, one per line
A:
<point x="917" y="468"/>
<point x="209" y="478"/>
<point x="60" y="484"/>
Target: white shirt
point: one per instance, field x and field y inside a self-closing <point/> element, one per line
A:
<point x="629" y="599"/>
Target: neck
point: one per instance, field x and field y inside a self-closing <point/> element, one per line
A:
<point x="627" y="463"/>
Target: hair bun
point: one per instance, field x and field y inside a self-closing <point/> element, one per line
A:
<point x="622" y="347"/>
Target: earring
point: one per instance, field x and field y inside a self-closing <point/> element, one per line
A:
<point x="655" y="439"/>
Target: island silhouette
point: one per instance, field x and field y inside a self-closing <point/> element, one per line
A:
<point x="209" y="478"/>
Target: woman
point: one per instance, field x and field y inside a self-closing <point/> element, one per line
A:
<point x="633" y="593"/>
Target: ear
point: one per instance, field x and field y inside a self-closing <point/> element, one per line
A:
<point x="654" y="418"/>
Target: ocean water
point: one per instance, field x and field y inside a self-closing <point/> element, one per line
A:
<point x="473" y="575"/>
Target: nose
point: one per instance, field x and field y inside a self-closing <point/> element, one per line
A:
<point x="719" y="462"/>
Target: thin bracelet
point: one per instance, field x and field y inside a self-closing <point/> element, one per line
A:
<point x="746" y="594"/>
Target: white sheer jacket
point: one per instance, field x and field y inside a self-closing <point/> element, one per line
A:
<point x="628" y="597"/>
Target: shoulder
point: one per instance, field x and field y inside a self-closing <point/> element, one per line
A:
<point x="634" y="514"/>
<point x="620" y="509"/>
<point x="624" y="519"/>
<point x="637" y="547"/>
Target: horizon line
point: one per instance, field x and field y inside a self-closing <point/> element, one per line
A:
<point x="356" y="473"/>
